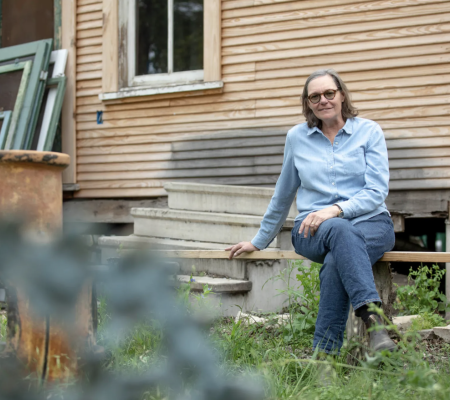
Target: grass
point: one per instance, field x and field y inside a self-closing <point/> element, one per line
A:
<point x="290" y="369"/>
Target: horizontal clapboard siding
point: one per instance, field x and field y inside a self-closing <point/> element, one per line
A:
<point x="394" y="56"/>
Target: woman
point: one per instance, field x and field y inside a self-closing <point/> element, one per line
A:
<point x="337" y="165"/>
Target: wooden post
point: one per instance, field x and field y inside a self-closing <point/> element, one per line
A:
<point x="447" y="265"/>
<point x="357" y="337"/>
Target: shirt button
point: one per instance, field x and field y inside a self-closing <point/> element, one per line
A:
<point x="332" y="183"/>
<point x="337" y="142"/>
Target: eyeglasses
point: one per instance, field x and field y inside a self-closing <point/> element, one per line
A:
<point x="329" y="95"/>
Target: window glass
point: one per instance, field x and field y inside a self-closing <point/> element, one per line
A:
<point x="151" y="37"/>
<point x="188" y="35"/>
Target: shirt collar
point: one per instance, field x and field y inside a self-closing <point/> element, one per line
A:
<point x="348" y="128"/>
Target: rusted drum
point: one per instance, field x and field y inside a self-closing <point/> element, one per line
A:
<point x="31" y="190"/>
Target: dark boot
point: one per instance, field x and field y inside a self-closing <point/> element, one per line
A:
<point x="379" y="338"/>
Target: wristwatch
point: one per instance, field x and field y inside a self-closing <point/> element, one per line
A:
<point x="341" y="212"/>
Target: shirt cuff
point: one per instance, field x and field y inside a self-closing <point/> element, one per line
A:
<point x="347" y="209"/>
<point x="260" y="242"/>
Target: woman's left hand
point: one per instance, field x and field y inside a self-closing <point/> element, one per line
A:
<point x="312" y="222"/>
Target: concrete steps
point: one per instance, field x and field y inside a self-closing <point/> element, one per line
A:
<point x="221" y="198"/>
<point x="213" y="217"/>
<point x="202" y="226"/>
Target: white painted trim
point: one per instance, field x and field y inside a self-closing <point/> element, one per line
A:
<point x="180" y="78"/>
<point x="131" y="40"/>
<point x="170" y="37"/>
<point x="59" y="59"/>
<point x="145" y="91"/>
<point x="153" y="80"/>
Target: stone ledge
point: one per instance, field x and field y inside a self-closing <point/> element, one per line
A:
<point x="221" y="198"/>
<point x="218" y="285"/>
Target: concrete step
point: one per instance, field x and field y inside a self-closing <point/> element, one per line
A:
<point x="217" y="285"/>
<point x="221" y="198"/>
<point x="204" y="226"/>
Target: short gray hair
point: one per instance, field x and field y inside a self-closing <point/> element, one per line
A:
<point x="348" y="110"/>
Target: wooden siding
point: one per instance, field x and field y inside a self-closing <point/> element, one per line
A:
<point x="394" y="55"/>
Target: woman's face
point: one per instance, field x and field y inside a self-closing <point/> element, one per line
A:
<point x="326" y="110"/>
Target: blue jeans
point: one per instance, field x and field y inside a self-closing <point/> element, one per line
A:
<point x="347" y="253"/>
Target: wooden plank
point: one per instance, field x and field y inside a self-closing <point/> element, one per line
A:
<point x="185" y="155"/>
<point x="90" y="58"/>
<point x="165" y="165"/>
<point x="399" y="222"/>
<point x="180" y="173"/>
<point x="347" y="10"/>
<point x="419" y="162"/>
<point x="91" y="16"/>
<point x="212" y="22"/>
<point x="151" y="183"/>
<point x="68" y="131"/>
<point x="346" y="29"/>
<point x="89" y="50"/>
<point x="334" y="20"/>
<point x="358" y="81"/>
<point x="416" y="202"/>
<point x="180" y="110"/>
<point x="90" y="8"/>
<point x="420" y="173"/>
<point x="244" y="7"/>
<point x="391" y="256"/>
<point x="87" y="2"/>
<point x="88" y="92"/>
<point x="90" y="75"/>
<point x="91" y="41"/>
<point x="420" y="184"/>
<point x="331" y="59"/>
<point x="106" y="211"/>
<point x="365" y="36"/>
<point x="131" y="135"/>
<point x="337" y="48"/>
<point x="419" y="153"/>
<point x="90" y="33"/>
<point x="123" y="193"/>
<point x="89" y="67"/>
<point x="110" y="80"/>
<point x="409" y="143"/>
<point x="363" y="67"/>
<point x="83" y="26"/>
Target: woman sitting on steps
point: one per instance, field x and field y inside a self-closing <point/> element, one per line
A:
<point x="337" y="165"/>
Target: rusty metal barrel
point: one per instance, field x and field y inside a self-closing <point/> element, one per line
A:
<point x="31" y="190"/>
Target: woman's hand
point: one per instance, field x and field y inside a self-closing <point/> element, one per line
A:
<point x="312" y="222"/>
<point x="242" y="247"/>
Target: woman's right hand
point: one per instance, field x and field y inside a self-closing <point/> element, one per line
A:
<point x="242" y="247"/>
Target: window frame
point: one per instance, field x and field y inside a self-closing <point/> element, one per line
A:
<point x="154" y="80"/>
<point x="118" y="82"/>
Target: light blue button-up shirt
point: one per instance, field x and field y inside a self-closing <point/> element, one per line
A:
<point x="353" y="172"/>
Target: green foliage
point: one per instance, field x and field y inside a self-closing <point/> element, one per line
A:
<point x="427" y="320"/>
<point x="302" y="297"/>
<point x="2" y="328"/>
<point x="423" y="295"/>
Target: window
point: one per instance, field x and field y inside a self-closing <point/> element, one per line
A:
<point x="165" y="41"/>
<point x="157" y="46"/>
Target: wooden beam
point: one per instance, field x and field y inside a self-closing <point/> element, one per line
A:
<point x="68" y="40"/>
<point x="400" y="256"/>
<point x="399" y="222"/>
<point x="212" y="22"/>
<point x="110" y="79"/>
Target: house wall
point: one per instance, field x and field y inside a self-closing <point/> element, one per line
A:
<point x="394" y="56"/>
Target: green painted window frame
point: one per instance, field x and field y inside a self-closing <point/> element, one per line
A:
<point x="60" y="83"/>
<point x="26" y="67"/>
<point x="40" y="50"/>
<point x="6" y="116"/>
